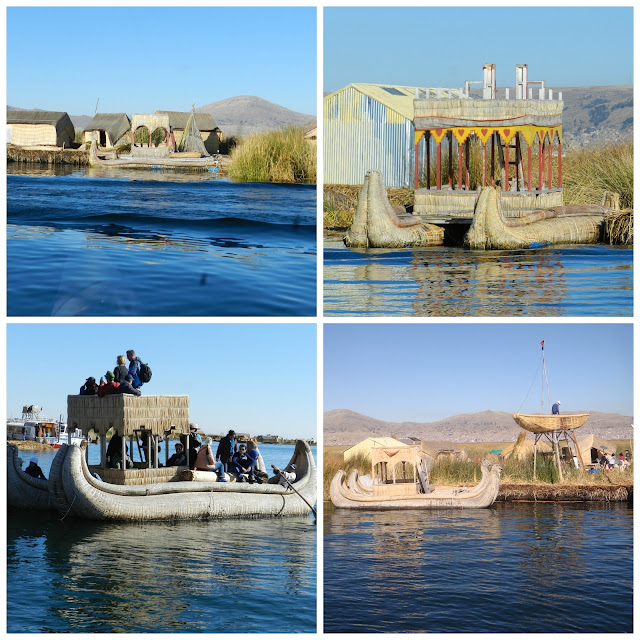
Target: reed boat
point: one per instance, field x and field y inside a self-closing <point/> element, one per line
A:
<point x="545" y="423"/>
<point x="378" y="224"/>
<point x="386" y="496"/>
<point x="76" y="492"/>
<point x="23" y="491"/>
<point x="578" y="224"/>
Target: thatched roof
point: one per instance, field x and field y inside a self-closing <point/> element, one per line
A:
<point x="364" y="447"/>
<point x="115" y="124"/>
<point x="25" y="116"/>
<point x="591" y="441"/>
<point x="178" y="120"/>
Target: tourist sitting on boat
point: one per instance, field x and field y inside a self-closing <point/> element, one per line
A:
<point x="204" y="459"/>
<point x="34" y="470"/>
<point x="179" y="458"/>
<point x="121" y="371"/>
<point x="254" y="454"/>
<point x="89" y="388"/>
<point x="134" y="368"/>
<point x="191" y="442"/>
<point x="289" y="474"/>
<point x="243" y="464"/>
<point x="102" y="382"/>
<point x="108" y="388"/>
<point x="127" y="387"/>
<point x="226" y="448"/>
<point x="555" y="409"/>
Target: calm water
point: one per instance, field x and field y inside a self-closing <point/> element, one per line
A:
<point x="144" y="243"/>
<point x="250" y="576"/>
<point x="584" y="280"/>
<point x="514" y="568"/>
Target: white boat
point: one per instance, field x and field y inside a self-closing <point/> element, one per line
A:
<point x="64" y="437"/>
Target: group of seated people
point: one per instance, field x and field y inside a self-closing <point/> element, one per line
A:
<point x="611" y="462"/>
<point x="230" y="456"/>
<point x="122" y="379"/>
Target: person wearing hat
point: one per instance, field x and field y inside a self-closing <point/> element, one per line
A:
<point x="89" y="388"/>
<point x="555" y="409"/>
<point x="289" y="474"/>
<point x="108" y="388"/>
<point x="226" y="449"/>
<point x="34" y="470"/>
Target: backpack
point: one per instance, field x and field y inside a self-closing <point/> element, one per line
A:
<point x="144" y="375"/>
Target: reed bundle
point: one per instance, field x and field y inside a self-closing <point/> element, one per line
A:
<point x="77" y="157"/>
<point x="483" y="111"/>
<point x="619" y="227"/>
<point x="564" y="492"/>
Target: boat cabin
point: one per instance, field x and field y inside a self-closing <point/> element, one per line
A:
<point x="141" y="421"/>
<point x="397" y="471"/>
<point x="513" y="139"/>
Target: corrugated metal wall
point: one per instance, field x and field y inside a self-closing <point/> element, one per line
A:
<point x="361" y="134"/>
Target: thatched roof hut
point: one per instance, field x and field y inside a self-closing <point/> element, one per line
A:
<point x="209" y="130"/>
<point x="30" y="128"/>
<point x="592" y="446"/>
<point x="113" y="129"/>
<point x="364" y="447"/>
<point x="523" y="448"/>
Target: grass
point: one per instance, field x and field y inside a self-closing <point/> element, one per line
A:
<point x="448" y="471"/>
<point x="274" y="156"/>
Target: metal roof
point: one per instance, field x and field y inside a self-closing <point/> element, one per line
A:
<point x="25" y="116"/>
<point x="178" y="120"/>
<point x="396" y="97"/>
<point x="115" y="124"/>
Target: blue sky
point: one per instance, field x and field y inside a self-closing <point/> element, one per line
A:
<point x="443" y="47"/>
<point x="258" y="378"/>
<point x="429" y="371"/>
<point x="149" y="58"/>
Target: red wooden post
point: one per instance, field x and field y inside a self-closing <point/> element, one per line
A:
<point x="550" y="152"/>
<point x="493" y="153"/>
<point x="528" y="167"/>
<point x="484" y="164"/>
<point x="427" y="142"/>
<point x="415" y="181"/>
<point x="559" y="164"/>
<point x="438" y="166"/>
<point x="450" y="140"/>
<point x="540" y="163"/>
<point x="506" y="166"/>
<point x="518" y="160"/>
<point x="459" y="166"/>
<point x="467" y="143"/>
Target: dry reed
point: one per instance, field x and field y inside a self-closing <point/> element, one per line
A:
<point x="619" y="227"/>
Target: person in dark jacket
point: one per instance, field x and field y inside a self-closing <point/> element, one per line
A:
<point x="134" y="368"/>
<point x="121" y="371"/>
<point x="179" y="458"/>
<point x="242" y="463"/>
<point x="34" y="470"/>
<point x="89" y="388"/>
<point x="126" y="387"/>
<point x="555" y="409"/>
<point x="225" y="449"/>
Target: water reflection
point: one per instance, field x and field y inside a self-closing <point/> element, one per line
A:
<point x="447" y="281"/>
<point x="154" y="576"/>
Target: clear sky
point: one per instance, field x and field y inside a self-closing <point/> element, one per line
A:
<point x="429" y="371"/>
<point x="143" y="59"/>
<point x="258" y="378"/>
<point x="443" y="47"/>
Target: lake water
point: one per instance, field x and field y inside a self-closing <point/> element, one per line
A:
<point x="582" y="280"/>
<point x="233" y="576"/>
<point x="513" y="568"/>
<point x="142" y="243"/>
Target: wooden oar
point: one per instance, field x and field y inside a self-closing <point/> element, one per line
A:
<point x="315" y="514"/>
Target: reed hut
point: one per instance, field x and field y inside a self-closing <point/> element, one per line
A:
<point x="507" y="129"/>
<point x="435" y="450"/>
<point x="364" y="448"/>
<point x="209" y="130"/>
<point x="134" y="418"/>
<point x="39" y="128"/>
<point x="369" y="126"/>
<point x="592" y="447"/>
<point x="523" y="448"/>
<point x="110" y="130"/>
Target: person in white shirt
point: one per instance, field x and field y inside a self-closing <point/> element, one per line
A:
<point x="289" y="474"/>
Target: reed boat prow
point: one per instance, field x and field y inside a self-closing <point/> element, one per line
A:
<point x="23" y="491"/>
<point x="544" y="423"/>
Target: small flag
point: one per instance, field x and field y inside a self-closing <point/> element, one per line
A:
<point x="542" y="344"/>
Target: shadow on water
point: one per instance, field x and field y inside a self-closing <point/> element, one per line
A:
<point x="77" y="576"/>
<point x="450" y="281"/>
<point x="512" y="568"/>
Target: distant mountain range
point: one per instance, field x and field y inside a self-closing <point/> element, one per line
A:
<point x="237" y="116"/>
<point x="346" y="427"/>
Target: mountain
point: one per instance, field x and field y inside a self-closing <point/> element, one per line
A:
<point x="243" y="115"/>
<point x="346" y="427"/>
